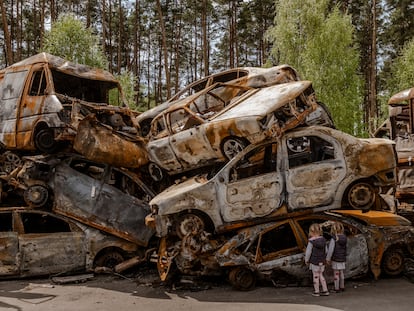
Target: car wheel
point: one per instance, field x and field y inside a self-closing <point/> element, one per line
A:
<point x="45" y="140"/>
<point x="393" y="262"/>
<point x="36" y="195"/>
<point x="242" y="278"/>
<point x="361" y="196"/>
<point x="189" y="223"/>
<point x="232" y="146"/>
<point x="11" y="162"/>
<point x="109" y="259"/>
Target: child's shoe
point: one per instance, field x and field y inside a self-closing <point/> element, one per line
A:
<point x="325" y="293"/>
<point x="314" y="294"/>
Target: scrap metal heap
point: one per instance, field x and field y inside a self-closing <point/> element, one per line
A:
<point x="232" y="156"/>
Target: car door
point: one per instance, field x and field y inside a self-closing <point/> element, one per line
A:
<point x="11" y="89"/>
<point x="9" y="246"/>
<point x="48" y="245"/>
<point x="281" y="251"/>
<point x="76" y="184"/>
<point x="314" y="166"/>
<point x="121" y="209"/>
<point x="254" y="187"/>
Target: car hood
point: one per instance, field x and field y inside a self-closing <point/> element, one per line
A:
<point x="169" y="195"/>
<point x="377" y="218"/>
<point x="265" y="100"/>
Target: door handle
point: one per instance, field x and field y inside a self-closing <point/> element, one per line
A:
<point x="234" y="191"/>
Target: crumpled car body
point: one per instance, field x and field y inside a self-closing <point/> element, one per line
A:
<point x="36" y="243"/>
<point x="44" y="97"/>
<point x="114" y="200"/>
<point x="399" y="127"/>
<point x="376" y="242"/>
<point x="206" y="129"/>
<point x="249" y="77"/>
<point x="309" y="169"/>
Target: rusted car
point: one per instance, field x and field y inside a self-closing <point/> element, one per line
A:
<point x="400" y="128"/>
<point x="44" y="97"/>
<point x="207" y="129"/>
<point x="249" y="77"/>
<point x="376" y="242"/>
<point x="35" y="243"/>
<point x="111" y="199"/>
<point x="310" y="169"/>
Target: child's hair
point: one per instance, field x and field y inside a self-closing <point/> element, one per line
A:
<point x="315" y="230"/>
<point x="337" y="228"/>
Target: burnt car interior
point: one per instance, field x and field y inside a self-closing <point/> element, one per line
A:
<point x="308" y="149"/>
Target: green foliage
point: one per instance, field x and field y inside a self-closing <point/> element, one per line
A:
<point x="128" y="82"/>
<point x="402" y="70"/>
<point x="319" y="43"/>
<point x="71" y="40"/>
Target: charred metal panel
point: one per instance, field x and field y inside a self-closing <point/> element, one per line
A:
<point x="102" y="144"/>
<point x="95" y="203"/>
<point x="51" y="253"/>
<point x="9" y="252"/>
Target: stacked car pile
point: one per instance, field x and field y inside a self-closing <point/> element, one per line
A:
<point x="237" y="150"/>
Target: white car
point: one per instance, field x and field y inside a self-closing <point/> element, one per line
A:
<point x="311" y="168"/>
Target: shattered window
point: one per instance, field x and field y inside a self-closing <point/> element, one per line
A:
<point x="43" y="223"/>
<point x="308" y="149"/>
<point x="278" y="239"/>
<point x="6" y="223"/>
<point x="178" y="118"/>
<point x="259" y="161"/>
<point x="38" y="85"/>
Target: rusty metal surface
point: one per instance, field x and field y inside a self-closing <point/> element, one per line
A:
<point x="102" y="144"/>
<point x="253" y="77"/>
<point x="45" y="92"/>
<point x="253" y="185"/>
<point x="42" y="243"/>
<point x="258" y="114"/>
<point x="277" y="248"/>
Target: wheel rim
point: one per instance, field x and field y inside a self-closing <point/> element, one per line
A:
<point x="45" y="140"/>
<point x="232" y="147"/>
<point x="11" y="162"/>
<point x="36" y="195"/>
<point x="155" y="172"/>
<point x="242" y="278"/>
<point x="361" y="196"/>
<point x="189" y="223"/>
<point x="393" y="263"/>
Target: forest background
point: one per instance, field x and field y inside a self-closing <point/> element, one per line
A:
<point x="357" y="53"/>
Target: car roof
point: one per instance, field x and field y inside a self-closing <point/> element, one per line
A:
<point x="401" y="96"/>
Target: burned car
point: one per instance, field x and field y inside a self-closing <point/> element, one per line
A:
<point x="312" y="168"/>
<point x="44" y="97"/>
<point x="111" y="199"/>
<point x="249" y="77"/>
<point x="376" y="242"/>
<point x="207" y="129"/>
<point x="35" y="243"/>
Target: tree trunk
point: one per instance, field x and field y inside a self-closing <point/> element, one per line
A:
<point x="7" y="38"/>
<point x="164" y="49"/>
<point x="372" y="95"/>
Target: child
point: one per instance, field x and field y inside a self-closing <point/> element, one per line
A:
<point x="315" y="258"/>
<point x="337" y="253"/>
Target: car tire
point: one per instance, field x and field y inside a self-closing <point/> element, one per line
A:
<point x="189" y="223"/>
<point x="10" y="162"/>
<point x="45" y="140"/>
<point x="36" y="195"/>
<point x="109" y="259"/>
<point x="232" y="146"/>
<point x="242" y="278"/>
<point x="361" y="196"/>
<point x="393" y="262"/>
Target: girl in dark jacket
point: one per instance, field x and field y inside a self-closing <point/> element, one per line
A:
<point x="315" y="257"/>
<point x="337" y="255"/>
